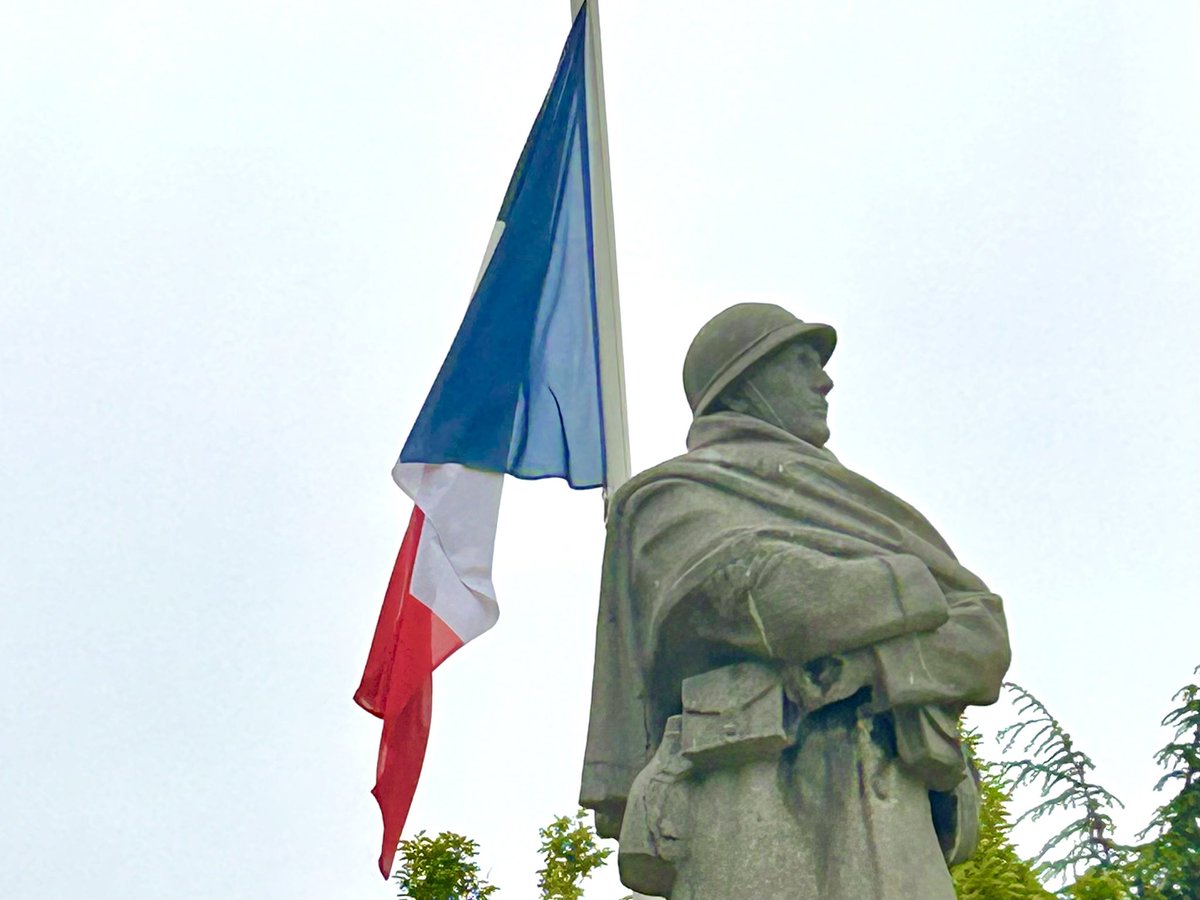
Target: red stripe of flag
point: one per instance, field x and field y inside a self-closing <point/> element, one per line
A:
<point x="397" y="685"/>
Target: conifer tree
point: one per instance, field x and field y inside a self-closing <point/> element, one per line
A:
<point x="996" y="871"/>
<point x="1168" y="867"/>
<point x="1085" y="848"/>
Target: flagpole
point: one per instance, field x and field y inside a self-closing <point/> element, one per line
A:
<point x="608" y="307"/>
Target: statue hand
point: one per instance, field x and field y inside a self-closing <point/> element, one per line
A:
<point x="829" y="679"/>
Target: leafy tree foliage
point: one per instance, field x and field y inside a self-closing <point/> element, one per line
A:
<point x="996" y="871"/>
<point x="1101" y="882"/>
<point x="571" y="854"/>
<point x="441" y="868"/>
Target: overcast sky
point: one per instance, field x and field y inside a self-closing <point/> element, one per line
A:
<point x="236" y="240"/>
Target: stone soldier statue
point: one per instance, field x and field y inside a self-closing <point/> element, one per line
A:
<point x="782" y="652"/>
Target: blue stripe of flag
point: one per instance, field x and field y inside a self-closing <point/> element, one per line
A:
<point x="520" y="389"/>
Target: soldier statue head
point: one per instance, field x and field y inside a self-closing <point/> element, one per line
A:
<point x="760" y="360"/>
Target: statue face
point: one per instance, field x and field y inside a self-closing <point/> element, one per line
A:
<point x="787" y="389"/>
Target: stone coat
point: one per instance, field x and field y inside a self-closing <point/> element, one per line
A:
<point x="758" y="547"/>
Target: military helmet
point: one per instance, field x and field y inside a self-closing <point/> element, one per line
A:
<point x="734" y="340"/>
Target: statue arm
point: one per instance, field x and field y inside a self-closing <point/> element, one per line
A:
<point x="796" y="605"/>
<point x="817" y="605"/>
<point x="962" y="662"/>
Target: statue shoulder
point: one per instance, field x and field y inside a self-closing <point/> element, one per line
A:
<point x="694" y="468"/>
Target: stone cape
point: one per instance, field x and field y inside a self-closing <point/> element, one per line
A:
<point x="758" y="547"/>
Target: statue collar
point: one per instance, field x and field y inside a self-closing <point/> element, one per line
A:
<point x="730" y="427"/>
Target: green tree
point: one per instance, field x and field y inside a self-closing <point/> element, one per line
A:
<point x="996" y="871"/>
<point x="571" y="853"/>
<point x="1168" y="867"/>
<point x="1062" y="772"/>
<point x="441" y="868"/>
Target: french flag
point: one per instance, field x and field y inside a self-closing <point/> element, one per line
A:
<point x="520" y="393"/>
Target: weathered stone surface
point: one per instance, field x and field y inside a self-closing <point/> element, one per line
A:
<point x="733" y="715"/>
<point x="782" y="652"/>
<point x="657" y="818"/>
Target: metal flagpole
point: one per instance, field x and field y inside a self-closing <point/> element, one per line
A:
<point x="608" y="307"/>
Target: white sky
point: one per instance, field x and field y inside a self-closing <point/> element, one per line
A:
<point x="236" y="240"/>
